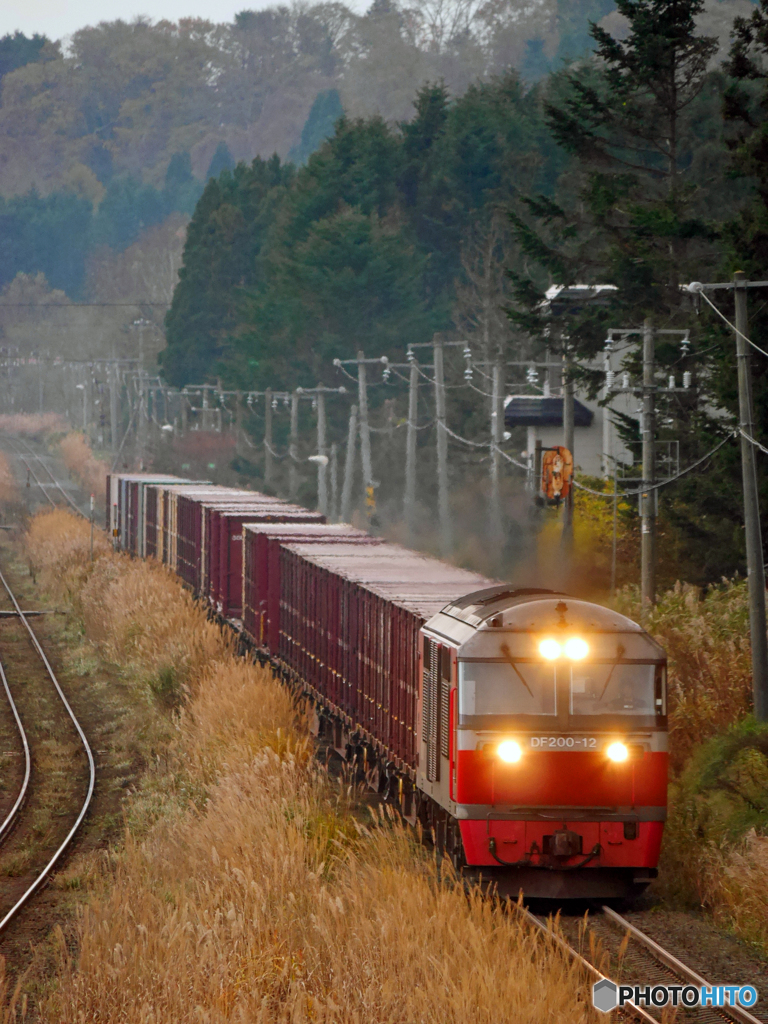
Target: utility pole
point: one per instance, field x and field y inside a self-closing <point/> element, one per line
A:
<point x="321" y="459"/>
<point x="349" y="467"/>
<point x="334" y="516"/>
<point x="648" y="495"/>
<point x="752" y="531"/>
<point x="409" y="504"/>
<point x="365" y="435"/>
<point x="369" y="484"/>
<point x="293" y="447"/>
<point x="443" y="507"/>
<point x="754" y="543"/>
<point x="114" y="383"/>
<point x="497" y="434"/>
<point x="322" y="463"/>
<point x="648" y="487"/>
<point x="268" y="437"/>
<point x="568" y="442"/>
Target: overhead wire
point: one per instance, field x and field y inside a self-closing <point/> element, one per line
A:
<point x="732" y="326"/>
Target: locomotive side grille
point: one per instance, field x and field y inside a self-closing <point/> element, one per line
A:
<point x="431" y="708"/>
<point x="445" y="699"/>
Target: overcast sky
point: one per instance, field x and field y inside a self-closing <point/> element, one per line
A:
<point x="57" y="18"/>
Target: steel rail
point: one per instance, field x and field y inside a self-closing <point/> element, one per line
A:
<point x="55" y="482"/>
<point x="635" y="1011"/>
<point x="677" y="967"/>
<point x="10" y="819"/>
<point x="43" y="877"/>
<point x="43" y="487"/>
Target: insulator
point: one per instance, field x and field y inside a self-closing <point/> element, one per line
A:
<point x="685" y="344"/>
<point x="286" y="401"/>
<point x="386" y="373"/>
<point x="532" y="374"/>
<point x="410" y="356"/>
<point x="250" y="399"/>
<point x="467" y="352"/>
<point x="610" y="379"/>
<point x="314" y="403"/>
<point x="468" y="373"/>
<point x="274" y="403"/>
<point x="608" y="344"/>
<point x="687" y="378"/>
<point x="625" y="380"/>
<point x="671" y="381"/>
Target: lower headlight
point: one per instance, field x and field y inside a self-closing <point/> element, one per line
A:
<point x="618" y="752"/>
<point x="510" y="751"/>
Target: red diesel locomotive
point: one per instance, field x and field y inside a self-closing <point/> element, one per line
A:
<point x="525" y="730"/>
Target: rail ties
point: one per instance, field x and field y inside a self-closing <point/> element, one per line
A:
<point x="651" y="963"/>
<point x="47" y="871"/>
<point x="13" y="814"/>
<point x="19" y="441"/>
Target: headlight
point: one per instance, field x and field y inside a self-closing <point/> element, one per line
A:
<point x="576" y="649"/>
<point x="618" y="752"/>
<point x="510" y="751"/>
<point x="550" y="649"/>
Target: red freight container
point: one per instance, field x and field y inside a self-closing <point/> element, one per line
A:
<point x="189" y="526"/>
<point x="209" y="580"/>
<point x="261" y="572"/>
<point x="229" y="579"/>
<point x="349" y="626"/>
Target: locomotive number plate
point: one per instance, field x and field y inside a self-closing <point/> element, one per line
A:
<point x="564" y="742"/>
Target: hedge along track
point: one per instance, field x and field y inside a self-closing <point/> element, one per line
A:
<point x="643" y="961"/>
<point x="47" y="871"/>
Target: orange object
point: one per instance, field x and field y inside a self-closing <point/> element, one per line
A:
<point x="556" y="474"/>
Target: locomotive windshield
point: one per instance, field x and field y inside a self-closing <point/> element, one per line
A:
<point x="493" y="688"/>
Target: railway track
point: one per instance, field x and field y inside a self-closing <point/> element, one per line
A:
<point x="635" y="959"/>
<point x="27" y="788"/>
<point x="24" y="452"/>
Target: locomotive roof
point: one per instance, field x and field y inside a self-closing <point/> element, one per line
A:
<point x="529" y="609"/>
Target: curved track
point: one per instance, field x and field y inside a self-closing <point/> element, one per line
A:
<point x="47" y="871"/>
<point x="648" y="962"/>
<point x="12" y="815"/>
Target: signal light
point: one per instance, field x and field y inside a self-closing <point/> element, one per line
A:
<point x="618" y="752"/>
<point x="510" y="751"/>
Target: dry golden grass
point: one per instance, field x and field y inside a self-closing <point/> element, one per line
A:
<point x="706" y="638"/>
<point x="8" y="491"/>
<point x="734" y="882"/>
<point x="80" y="461"/>
<point x="33" y="424"/>
<point x="245" y="889"/>
<point x="57" y="545"/>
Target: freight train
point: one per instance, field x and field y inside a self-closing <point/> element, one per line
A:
<point x="525" y="730"/>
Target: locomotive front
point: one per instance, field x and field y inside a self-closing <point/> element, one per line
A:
<point x="543" y="745"/>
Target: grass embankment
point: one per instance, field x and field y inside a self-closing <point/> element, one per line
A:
<point x="245" y="889"/>
<point x="81" y="463"/>
<point x="716" y="844"/>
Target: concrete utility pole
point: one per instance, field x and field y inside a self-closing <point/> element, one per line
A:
<point x="497" y="435"/>
<point x="409" y="502"/>
<point x="648" y="497"/>
<point x="443" y="505"/>
<point x="349" y="467"/>
<point x="365" y="435"/>
<point x="334" y="515"/>
<point x="753" y="539"/>
<point x="293" y="448"/>
<point x="568" y="442"/>
<point x="369" y="484"/>
<point x="321" y="458"/>
<point x="752" y="531"/>
<point x="648" y="488"/>
<point x="268" y="436"/>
